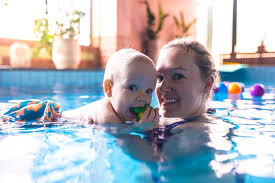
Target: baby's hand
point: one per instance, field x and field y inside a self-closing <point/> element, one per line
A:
<point x="150" y="115"/>
<point x="56" y="117"/>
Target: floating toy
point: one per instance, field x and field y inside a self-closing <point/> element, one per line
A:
<point x="222" y="88"/>
<point x="32" y="111"/>
<point x="257" y="90"/>
<point x="215" y="89"/>
<point x="242" y="85"/>
<point x="234" y="88"/>
<point x="226" y="83"/>
<point x="139" y="110"/>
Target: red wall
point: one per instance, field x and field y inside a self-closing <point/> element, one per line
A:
<point x="131" y="20"/>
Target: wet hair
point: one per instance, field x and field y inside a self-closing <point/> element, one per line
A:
<point x="203" y="58"/>
<point x="121" y="58"/>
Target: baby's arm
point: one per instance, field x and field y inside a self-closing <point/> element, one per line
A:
<point x="80" y="114"/>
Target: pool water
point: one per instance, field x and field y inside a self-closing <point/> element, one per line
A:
<point x="241" y="150"/>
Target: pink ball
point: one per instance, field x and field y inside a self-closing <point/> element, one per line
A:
<point x="216" y="89"/>
<point x="242" y="85"/>
<point x="227" y="83"/>
<point x="257" y="90"/>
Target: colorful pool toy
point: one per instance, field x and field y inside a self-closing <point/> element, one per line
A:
<point x="32" y="111"/>
<point x="222" y="88"/>
<point x="234" y="88"/>
<point x="242" y="85"/>
<point x="140" y="110"/>
<point x="257" y="90"/>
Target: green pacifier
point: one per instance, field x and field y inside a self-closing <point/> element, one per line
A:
<point x="140" y="110"/>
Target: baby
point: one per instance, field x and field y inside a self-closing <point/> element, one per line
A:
<point x="129" y="81"/>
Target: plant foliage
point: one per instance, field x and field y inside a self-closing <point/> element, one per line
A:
<point x="182" y="26"/>
<point x="42" y="32"/>
<point x="68" y="28"/>
<point x="152" y="29"/>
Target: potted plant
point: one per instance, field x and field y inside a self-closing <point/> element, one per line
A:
<point x="153" y="28"/>
<point x="42" y="33"/>
<point x="66" y="53"/>
<point x="182" y="27"/>
<point x="62" y="45"/>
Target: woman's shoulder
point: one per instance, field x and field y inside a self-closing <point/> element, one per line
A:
<point x="203" y="122"/>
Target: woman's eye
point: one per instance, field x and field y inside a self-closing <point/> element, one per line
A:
<point x="159" y="78"/>
<point x="132" y="87"/>
<point x="149" y="91"/>
<point x="177" y="76"/>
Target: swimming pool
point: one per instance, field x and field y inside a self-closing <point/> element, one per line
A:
<point x="73" y="153"/>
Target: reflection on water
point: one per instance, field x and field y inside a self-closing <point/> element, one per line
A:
<point x="237" y="145"/>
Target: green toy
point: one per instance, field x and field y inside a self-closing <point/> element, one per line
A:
<point x="140" y="110"/>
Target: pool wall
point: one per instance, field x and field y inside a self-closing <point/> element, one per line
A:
<point x="38" y="77"/>
<point x="250" y="75"/>
<point x="22" y="77"/>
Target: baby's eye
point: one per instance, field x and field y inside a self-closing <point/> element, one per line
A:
<point x="177" y="76"/>
<point x="132" y="87"/>
<point x="149" y="91"/>
<point x="160" y="78"/>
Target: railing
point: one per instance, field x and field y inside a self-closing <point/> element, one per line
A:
<point x="261" y="57"/>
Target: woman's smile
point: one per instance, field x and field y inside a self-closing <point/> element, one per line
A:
<point x="166" y="101"/>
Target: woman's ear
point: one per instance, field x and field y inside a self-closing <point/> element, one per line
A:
<point x="208" y="84"/>
<point x="107" y="85"/>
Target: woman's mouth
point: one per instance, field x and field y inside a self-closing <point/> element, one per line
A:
<point x="169" y="101"/>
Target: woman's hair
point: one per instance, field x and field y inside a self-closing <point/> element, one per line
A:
<point x="203" y="58"/>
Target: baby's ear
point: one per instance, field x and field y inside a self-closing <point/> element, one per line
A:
<point x="107" y="85"/>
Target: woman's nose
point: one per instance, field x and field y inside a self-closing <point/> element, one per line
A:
<point x="165" y="87"/>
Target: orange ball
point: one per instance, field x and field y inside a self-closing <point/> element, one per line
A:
<point x="234" y="88"/>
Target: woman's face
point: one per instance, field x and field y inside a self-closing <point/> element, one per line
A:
<point x="179" y="88"/>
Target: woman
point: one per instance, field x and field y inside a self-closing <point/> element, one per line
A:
<point x="186" y="76"/>
<point x="188" y="139"/>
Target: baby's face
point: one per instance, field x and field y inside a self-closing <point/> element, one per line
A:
<point x="133" y="88"/>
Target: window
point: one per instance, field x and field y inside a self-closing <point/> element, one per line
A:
<point x="254" y="24"/>
<point x="17" y="18"/>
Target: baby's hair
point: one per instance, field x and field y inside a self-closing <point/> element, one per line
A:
<point x="122" y="58"/>
<point x="203" y="58"/>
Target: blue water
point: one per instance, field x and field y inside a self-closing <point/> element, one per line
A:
<point x="240" y="147"/>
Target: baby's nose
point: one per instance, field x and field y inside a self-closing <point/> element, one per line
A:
<point x="141" y="98"/>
